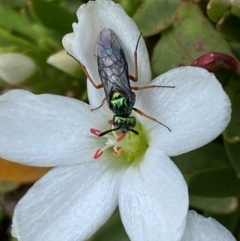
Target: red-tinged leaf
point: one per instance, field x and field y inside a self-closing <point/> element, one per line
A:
<point x="214" y="60"/>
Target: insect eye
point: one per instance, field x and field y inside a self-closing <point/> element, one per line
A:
<point x="132" y="121"/>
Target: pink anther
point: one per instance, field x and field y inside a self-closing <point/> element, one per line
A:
<point x="98" y="153"/>
<point x="95" y="132"/>
<point x="121" y="137"/>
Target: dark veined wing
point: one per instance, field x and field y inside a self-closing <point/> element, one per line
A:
<point x="112" y="64"/>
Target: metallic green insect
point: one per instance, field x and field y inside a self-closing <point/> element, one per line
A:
<point x="113" y="72"/>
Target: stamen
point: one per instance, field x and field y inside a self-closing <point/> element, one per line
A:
<point x="118" y="143"/>
<point x="117" y="151"/>
<point x="98" y="153"/>
<point x="121" y="137"/>
<point x="95" y="132"/>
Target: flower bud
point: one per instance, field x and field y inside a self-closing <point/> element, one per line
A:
<point x="65" y="62"/>
<point x="15" y="68"/>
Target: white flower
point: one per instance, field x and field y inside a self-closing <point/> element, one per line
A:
<point x="15" y="68"/>
<point x="199" y="228"/>
<point x="77" y="196"/>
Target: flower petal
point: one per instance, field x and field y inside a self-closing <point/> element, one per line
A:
<point x="46" y="130"/>
<point x="96" y="96"/>
<point x="199" y="228"/>
<point x="15" y="68"/>
<point x="69" y="203"/>
<point x="92" y="18"/>
<point x="153" y="199"/>
<point x="197" y="110"/>
<point x="65" y="62"/>
<point x="67" y="42"/>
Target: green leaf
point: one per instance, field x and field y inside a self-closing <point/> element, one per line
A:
<point x="190" y="37"/>
<point x="236" y="49"/>
<point x="130" y="6"/>
<point x="216" y="205"/>
<point x="235" y="10"/>
<point x="13" y="3"/>
<point x="42" y="38"/>
<point x="54" y="16"/>
<point x="233" y="151"/>
<point x="216" y="9"/>
<point x="13" y="21"/>
<point x="7" y="186"/>
<point x="229" y="27"/>
<point x="232" y="132"/>
<point x="153" y="16"/>
<point x="208" y="156"/>
<point x="13" y="43"/>
<point x="214" y="182"/>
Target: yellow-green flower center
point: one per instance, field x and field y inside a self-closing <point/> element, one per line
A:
<point x="128" y="146"/>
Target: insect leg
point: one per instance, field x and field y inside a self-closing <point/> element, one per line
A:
<point x="103" y="101"/>
<point x="150" y="117"/>
<point x="99" y="86"/>
<point x="135" y="78"/>
<point x="150" y="87"/>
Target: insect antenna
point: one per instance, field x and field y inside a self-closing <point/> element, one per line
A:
<point x="151" y="118"/>
<point x="106" y="132"/>
<point x="134" y="131"/>
<point x="131" y="77"/>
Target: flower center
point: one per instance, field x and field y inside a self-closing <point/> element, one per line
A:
<point x="127" y="145"/>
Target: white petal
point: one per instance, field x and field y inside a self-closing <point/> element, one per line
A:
<point x="69" y="203"/>
<point x="67" y="42"/>
<point x="153" y="199"/>
<point x="15" y="68"/>
<point x="197" y="110"/>
<point x="46" y="130"/>
<point x="92" y="18"/>
<point x="199" y="228"/>
<point x="96" y="95"/>
<point x="65" y="62"/>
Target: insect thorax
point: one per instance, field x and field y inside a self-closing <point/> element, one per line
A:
<point x="120" y="105"/>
